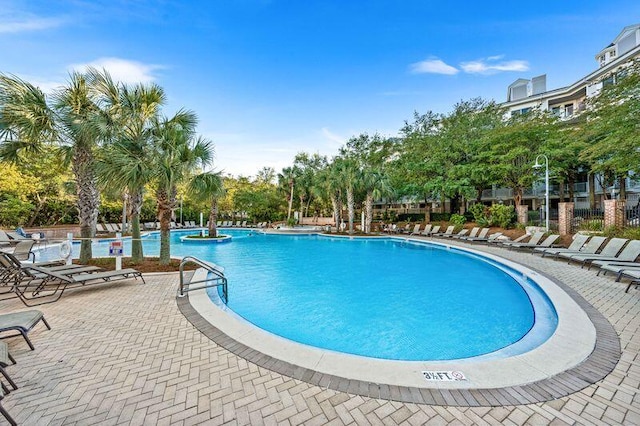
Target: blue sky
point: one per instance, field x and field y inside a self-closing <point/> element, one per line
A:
<point x="271" y="78"/>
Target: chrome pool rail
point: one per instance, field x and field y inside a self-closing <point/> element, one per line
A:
<point x="214" y="278"/>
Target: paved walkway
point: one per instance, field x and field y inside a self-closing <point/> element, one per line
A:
<point x="124" y="354"/>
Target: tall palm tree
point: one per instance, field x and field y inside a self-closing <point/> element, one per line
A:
<point x="376" y="185"/>
<point x="287" y="179"/>
<point x="208" y="187"/>
<point x="349" y="174"/>
<point x="128" y="122"/>
<point x="29" y="119"/>
<point x="177" y="152"/>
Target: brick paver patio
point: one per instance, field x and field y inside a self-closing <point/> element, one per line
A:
<point x="124" y="354"/>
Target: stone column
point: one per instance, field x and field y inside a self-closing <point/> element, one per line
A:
<point x="523" y="213"/>
<point x="565" y="217"/>
<point x="614" y="214"/>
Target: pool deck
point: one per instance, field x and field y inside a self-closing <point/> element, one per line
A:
<point x="123" y="353"/>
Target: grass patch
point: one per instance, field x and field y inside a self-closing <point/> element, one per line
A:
<point x="149" y="264"/>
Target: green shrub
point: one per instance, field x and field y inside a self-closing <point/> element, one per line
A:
<point x="592" y="225"/>
<point x="13" y="211"/>
<point x="440" y="217"/>
<point x="411" y="217"/>
<point x="501" y="215"/>
<point x="457" y="219"/>
<point x="479" y="212"/>
<point x="617" y="232"/>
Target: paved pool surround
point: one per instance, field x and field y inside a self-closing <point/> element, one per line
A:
<point x="583" y="349"/>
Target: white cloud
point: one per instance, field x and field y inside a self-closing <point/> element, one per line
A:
<point x="123" y="70"/>
<point x="433" y="66"/>
<point x="30" y="24"/>
<point x="332" y="137"/>
<point x="491" y="65"/>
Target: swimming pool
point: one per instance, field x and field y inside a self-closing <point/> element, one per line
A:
<point x="381" y="298"/>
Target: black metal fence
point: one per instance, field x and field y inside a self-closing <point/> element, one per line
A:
<point x="587" y="220"/>
<point x="632" y="216"/>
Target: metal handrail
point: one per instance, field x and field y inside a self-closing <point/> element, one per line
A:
<point x="218" y="279"/>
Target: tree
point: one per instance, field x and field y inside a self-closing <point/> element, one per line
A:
<point x="371" y="154"/>
<point x="128" y="125"/>
<point x="177" y="151"/>
<point x="349" y="174"/>
<point x="464" y="131"/>
<point x="208" y="187"/>
<point x="611" y="127"/>
<point x="287" y="180"/>
<point x="511" y="151"/>
<point x="30" y="120"/>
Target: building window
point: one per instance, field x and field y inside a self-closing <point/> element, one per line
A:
<point x="607" y="81"/>
<point x="555" y="111"/>
<point x="568" y="110"/>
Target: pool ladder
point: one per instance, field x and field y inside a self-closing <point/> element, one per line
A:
<point x="214" y="278"/>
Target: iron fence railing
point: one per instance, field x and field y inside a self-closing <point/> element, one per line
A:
<point x="632" y="216"/>
<point x="587" y="219"/>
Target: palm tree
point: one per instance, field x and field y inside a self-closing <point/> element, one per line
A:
<point x="124" y="163"/>
<point x="177" y="152"/>
<point x="29" y="120"/>
<point x="287" y="179"/>
<point x="376" y="185"/>
<point x="208" y="187"/>
<point x="349" y="174"/>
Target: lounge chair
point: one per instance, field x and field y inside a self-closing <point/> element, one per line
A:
<point x="482" y="236"/>
<point x="22" y="250"/>
<point x="517" y="240"/>
<point x="535" y="239"/>
<point x="460" y="234"/>
<point x="463" y="235"/>
<point x="448" y="231"/>
<point x="22" y="322"/>
<point x="488" y="240"/>
<point x="427" y="229"/>
<point x="633" y="275"/>
<point x="578" y="241"/>
<point x="433" y="231"/>
<point x="5" y="360"/>
<point x="548" y="242"/>
<point x="4" y="412"/>
<point x="610" y="250"/>
<point x="615" y="267"/>
<point x="629" y="254"/>
<point x="100" y="229"/>
<point x="33" y="283"/>
<point x="590" y="247"/>
<point x="5" y="241"/>
<point x="416" y="230"/>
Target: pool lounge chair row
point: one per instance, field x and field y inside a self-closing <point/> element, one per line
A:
<point x="617" y="255"/>
<point x="17" y="324"/>
<point x="36" y="284"/>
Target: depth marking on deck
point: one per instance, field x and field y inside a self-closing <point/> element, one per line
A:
<point x="444" y="376"/>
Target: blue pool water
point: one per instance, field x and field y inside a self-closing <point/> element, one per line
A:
<point x="378" y="298"/>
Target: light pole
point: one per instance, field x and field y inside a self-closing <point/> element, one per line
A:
<point x="546" y="186"/>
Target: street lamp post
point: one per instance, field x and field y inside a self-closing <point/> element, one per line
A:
<point x="546" y="186"/>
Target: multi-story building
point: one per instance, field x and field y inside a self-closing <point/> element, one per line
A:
<point x="567" y="102"/>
